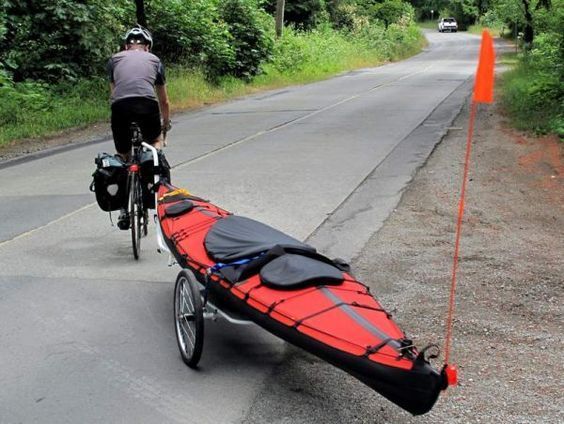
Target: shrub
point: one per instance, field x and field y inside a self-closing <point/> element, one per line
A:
<point x="392" y="11"/>
<point x="347" y="16"/>
<point x="533" y="92"/>
<point x="58" y="39"/>
<point x="303" y="14"/>
<point x="190" y="33"/>
<point x="251" y="39"/>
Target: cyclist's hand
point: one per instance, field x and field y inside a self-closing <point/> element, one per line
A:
<point x="166" y="126"/>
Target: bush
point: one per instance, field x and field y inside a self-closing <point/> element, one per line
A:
<point x="533" y="93"/>
<point x="392" y="11"/>
<point x="325" y="50"/>
<point x="58" y="39"/>
<point x="302" y="14"/>
<point x="251" y="40"/>
<point x="190" y="33"/>
<point x="347" y="16"/>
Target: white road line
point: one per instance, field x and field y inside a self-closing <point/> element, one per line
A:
<point x="294" y="121"/>
<point x="61" y="218"/>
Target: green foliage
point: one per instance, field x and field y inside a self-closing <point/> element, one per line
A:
<point x="423" y="8"/>
<point x="3" y="18"/>
<point x="303" y="14"/>
<point x="466" y="12"/>
<point x="58" y="39"/>
<point x="222" y="37"/>
<point x="54" y="51"/>
<point x="191" y="33"/>
<point x="533" y="93"/>
<point x="347" y="15"/>
<point x="325" y="50"/>
<point x="252" y="42"/>
<point x="392" y="11"/>
<point x="35" y="109"/>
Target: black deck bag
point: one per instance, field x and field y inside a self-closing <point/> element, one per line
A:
<point x="148" y="176"/>
<point x="110" y="182"/>
<point x="291" y="272"/>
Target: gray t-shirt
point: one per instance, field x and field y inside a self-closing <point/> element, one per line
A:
<point x="135" y="74"/>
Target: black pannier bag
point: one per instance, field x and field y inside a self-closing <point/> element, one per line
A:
<point x="110" y="182"/>
<point x="147" y="179"/>
<point x="148" y="176"/>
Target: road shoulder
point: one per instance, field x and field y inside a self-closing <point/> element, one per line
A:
<point x="508" y="328"/>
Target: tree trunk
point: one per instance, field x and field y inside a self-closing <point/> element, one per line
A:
<point x="279" y="17"/>
<point x="528" y="33"/>
<point x="140" y="10"/>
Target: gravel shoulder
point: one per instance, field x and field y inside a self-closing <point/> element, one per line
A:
<point x="508" y="327"/>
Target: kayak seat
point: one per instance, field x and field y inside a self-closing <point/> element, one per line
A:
<point x="235" y="237"/>
<point x="290" y="272"/>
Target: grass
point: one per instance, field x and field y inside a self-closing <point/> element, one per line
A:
<point x="509" y="59"/>
<point x="478" y="29"/>
<point x="428" y="24"/>
<point x="38" y="111"/>
<point x="532" y="97"/>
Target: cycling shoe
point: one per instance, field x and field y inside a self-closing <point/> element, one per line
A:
<point x="123" y="220"/>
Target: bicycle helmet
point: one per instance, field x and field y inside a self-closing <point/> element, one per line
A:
<point x="138" y="34"/>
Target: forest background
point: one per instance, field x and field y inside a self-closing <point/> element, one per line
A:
<point x="53" y="52"/>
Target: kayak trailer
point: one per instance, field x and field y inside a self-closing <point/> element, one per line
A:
<point x="247" y="272"/>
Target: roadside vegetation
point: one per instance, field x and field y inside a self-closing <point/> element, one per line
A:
<point x="533" y="91"/>
<point x="54" y="51"/>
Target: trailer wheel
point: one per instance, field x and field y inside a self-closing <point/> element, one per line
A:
<point x="188" y="318"/>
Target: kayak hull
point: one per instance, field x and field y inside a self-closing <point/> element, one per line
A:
<point x="384" y="359"/>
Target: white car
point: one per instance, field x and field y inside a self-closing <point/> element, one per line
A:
<point x="448" y="24"/>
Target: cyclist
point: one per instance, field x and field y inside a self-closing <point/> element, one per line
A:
<point x="138" y="94"/>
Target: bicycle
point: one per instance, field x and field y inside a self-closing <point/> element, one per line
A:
<point x="138" y="213"/>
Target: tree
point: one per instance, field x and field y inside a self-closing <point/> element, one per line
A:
<point x="521" y="13"/>
<point x="390" y="11"/>
<point x="140" y="12"/>
<point x="279" y="17"/>
<point x="302" y="13"/>
<point x="59" y="39"/>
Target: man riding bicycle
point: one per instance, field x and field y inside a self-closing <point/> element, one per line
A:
<point x="138" y="94"/>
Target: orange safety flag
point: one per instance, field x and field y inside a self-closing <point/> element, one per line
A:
<point x="483" y="88"/>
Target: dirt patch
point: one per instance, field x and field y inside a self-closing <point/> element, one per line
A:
<point x="508" y="328"/>
<point x="508" y="323"/>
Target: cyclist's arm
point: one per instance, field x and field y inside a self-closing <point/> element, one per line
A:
<point x="110" y="71"/>
<point x="163" y="102"/>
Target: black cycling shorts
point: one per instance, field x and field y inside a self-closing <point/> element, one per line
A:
<point x="135" y="109"/>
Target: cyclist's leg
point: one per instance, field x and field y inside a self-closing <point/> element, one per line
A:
<point x="121" y="122"/>
<point x="150" y="123"/>
<point x="122" y="118"/>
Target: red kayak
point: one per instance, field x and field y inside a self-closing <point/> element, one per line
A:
<point x="292" y="291"/>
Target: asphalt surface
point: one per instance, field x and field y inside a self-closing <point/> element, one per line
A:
<point x="87" y="333"/>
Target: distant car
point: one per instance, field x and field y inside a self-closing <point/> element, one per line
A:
<point x="448" y="24"/>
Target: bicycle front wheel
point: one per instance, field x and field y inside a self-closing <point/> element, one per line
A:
<point x="135" y="213"/>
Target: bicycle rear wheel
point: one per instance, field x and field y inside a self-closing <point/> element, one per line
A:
<point x="135" y="213"/>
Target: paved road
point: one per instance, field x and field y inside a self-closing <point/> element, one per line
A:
<point x="87" y="333"/>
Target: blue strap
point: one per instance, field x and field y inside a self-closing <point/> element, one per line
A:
<point x="218" y="266"/>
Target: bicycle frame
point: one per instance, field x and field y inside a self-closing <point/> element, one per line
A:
<point x="137" y="144"/>
<point x="162" y="247"/>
